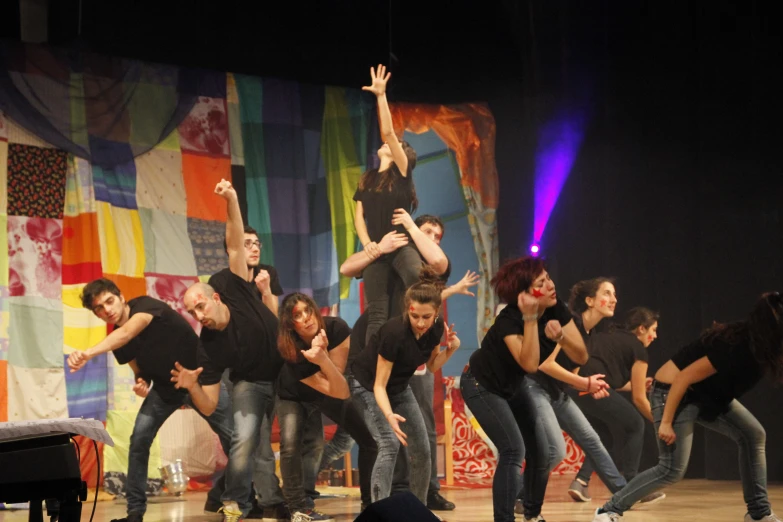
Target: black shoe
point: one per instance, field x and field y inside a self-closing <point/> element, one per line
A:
<point x="436" y="502"/>
<point x="278" y="512"/>
<point x="132" y="517"/>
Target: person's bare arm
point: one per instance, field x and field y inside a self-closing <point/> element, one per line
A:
<point x="235" y="230"/>
<point x="205" y="398"/>
<point x="378" y="87"/>
<point x="639" y="389"/>
<point x="117" y="339"/>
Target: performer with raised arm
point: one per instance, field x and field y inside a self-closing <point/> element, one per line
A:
<point x="380" y="192"/>
<point x="240" y="333"/>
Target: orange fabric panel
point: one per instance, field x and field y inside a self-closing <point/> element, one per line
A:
<point x="468" y="129"/>
<point x="201" y="174"/>
<point x="129" y="286"/>
<point x="89" y="463"/>
<point x="80" y="239"/>
<point x="3" y="391"/>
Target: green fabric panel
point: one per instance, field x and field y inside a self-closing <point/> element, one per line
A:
<point x="344" y="167"/>
<point x="250" y="90"/>
<point x="36" y="332"/>
<point x="78" y="111"/>
<point x="146" y="101"/>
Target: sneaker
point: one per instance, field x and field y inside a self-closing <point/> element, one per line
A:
<point x="769" y="518"/>
<point x="537" y="518"/>
<point x="231" y="513"/>
<point x="277" y="513"/>
<point x="652" y="498"/>
<point x="309" y="515"/>
<point x="519" y="509"/>
<point x="607" y="516"/>
<point x="436" y="502"/>
<point x="578" y="492"/>
<point x="132" y="517"/>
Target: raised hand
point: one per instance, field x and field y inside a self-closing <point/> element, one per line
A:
<point x="401" y="217"/>
<point x="392" y="241"/>
<point x="317" y="353"/>
<point x="554" y="331"/>
<point x="141" y="388"/>
<point x="184" y="378"/>
<point x="379" y="80"/>
<point x="262" y="281"/>
<point x="470" y="279"/>
<point x="452" y="341"/>
<point x="225" y="190"/>
<point x="394" y="422"/>
<point x="77" y="360"/>
<point x="527" y="303"/>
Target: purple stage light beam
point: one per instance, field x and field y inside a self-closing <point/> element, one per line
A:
<point x="558" y="146"/>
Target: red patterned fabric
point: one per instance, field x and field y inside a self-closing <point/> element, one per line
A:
<point x="474" y="456"/>
<point x="36" y="181"/>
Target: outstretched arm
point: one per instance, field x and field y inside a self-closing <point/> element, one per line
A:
<point x="235" y="230"/>
<point x="591" y="384"/>
<point x="117" y="339"/>
<point x="461" y="287"/>
<point x="378" y="87"/>
<point x="382" y="372"/>
<point x="205" y="398"/>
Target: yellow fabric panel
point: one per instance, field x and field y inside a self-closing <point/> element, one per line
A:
<point x="122" y="245"/>
<point x="119" y="424"/>
<point x="171" y="142"/>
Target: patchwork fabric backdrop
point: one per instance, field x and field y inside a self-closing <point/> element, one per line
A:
<point x="107" y="169"/>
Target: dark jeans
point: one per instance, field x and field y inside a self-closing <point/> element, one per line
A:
<point x="626" y="425"/>
<point x="301" y="446"/>
<point x="407" y="262"/>
<point x="511" y="426"/>
<point x="738" y="424"/>
<point x="252" y="402"/>
<point x="403" y="404"/>
<point x="348" y="415"/>
<point x="153" y="413"/>
<point x="423" y="388"/>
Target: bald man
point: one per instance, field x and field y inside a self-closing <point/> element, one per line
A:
<point x="239" y="334"/>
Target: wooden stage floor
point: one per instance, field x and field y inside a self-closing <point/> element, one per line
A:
<point x="692" y="500"/>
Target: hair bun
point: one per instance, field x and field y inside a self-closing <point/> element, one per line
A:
<point x="428" y="276"/>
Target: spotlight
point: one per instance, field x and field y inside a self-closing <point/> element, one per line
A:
<point x="535" y="249"/>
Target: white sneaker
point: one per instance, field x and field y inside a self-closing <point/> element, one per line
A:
<point x="538" y="518"/>
<point x="769" y="518"/>
<point x="607" y="517"/>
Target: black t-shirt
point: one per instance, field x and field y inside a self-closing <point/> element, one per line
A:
<point x="168" y="338"/>
<point x="397" y="296"/>
<point x="396" y="342"/>
<point x="737" y="372"/>
<point x="220" y="280"/>
<point x="493" y="366"/>
<point x="248" y="344"/>
<point x="379" y="206"/>
<point x="613" y="354"/>
<point x="289" y="386"/>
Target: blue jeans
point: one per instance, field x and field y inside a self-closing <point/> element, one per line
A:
<point x="511" y="426"/>
<point x="252" y="402"/>
<point x="738" y="424"/>
<point x="340" y="444"/>
<point x="264" y="457"/>
<point x="153" y="413"/>
<point x="626" y="425"/>
<point x="423" y="388"/>
<point x="557" y="415"/>
<point x="301" y="446"/>
<point x="403" y="404"/>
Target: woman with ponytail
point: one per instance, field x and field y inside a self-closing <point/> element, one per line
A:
<point x="383" y="371"/>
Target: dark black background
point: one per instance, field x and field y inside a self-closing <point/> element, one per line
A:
<point x="676" y="189"/>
